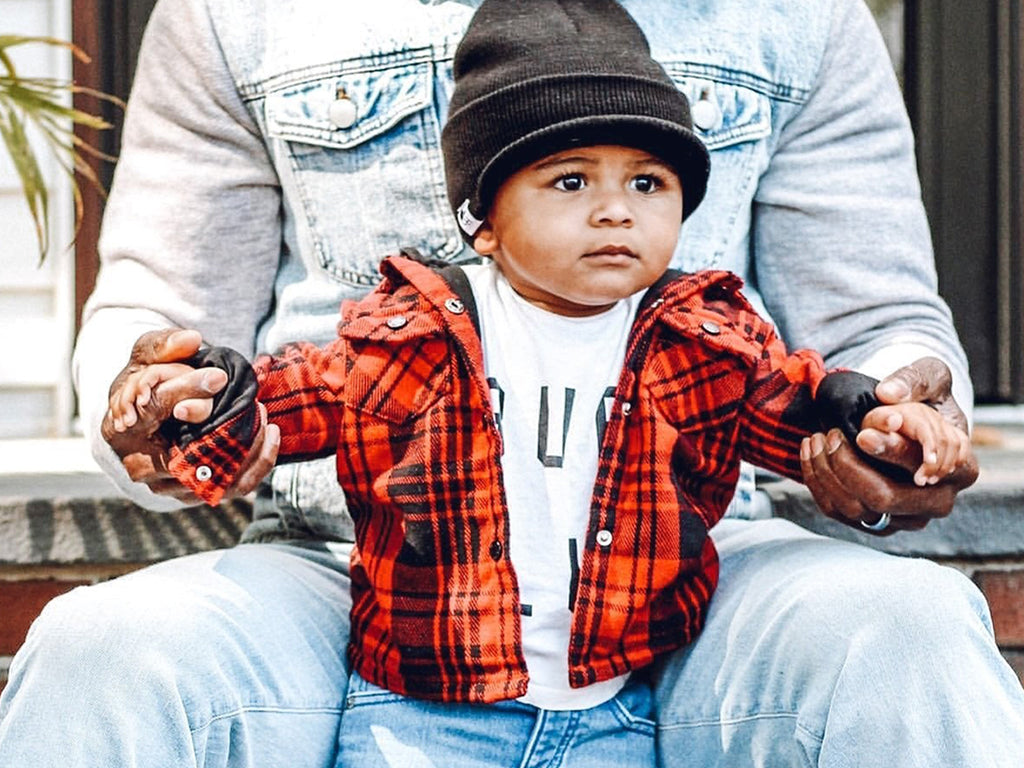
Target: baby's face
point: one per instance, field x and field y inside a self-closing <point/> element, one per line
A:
<point x="581" y="229"/>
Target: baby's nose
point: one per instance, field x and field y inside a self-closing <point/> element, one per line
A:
<point x="612" y="208"/>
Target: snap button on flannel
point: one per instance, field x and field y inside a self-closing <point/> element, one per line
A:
<point x="626" y="408"/>
<point x="203" y="473"/>
<point x="454" y="306"/>
<point x="496" y="550"/>
<point x="604" y="537"/>
<point x="710" y="327"/>
<point x="342" y="113"/>
<point x="396" y="322"/>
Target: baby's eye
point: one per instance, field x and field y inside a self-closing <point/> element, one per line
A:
<point x="570" y="182"/>
<point x="645" y="183"/>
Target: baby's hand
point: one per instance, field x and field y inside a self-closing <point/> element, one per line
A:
<point x="944" y="447"/>
<point x="128" y="403"/>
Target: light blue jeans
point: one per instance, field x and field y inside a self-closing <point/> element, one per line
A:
<point x="816" y="653"/>
<point x="381" y="728"/>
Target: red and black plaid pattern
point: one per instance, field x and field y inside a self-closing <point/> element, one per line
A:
<point x="223" y="441"/>
<point x="402" y="399"/>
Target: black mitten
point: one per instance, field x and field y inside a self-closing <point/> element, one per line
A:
<point x="238" y="398"/>
<point x="843" y="399"/>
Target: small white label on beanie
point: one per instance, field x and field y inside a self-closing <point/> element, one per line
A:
<point x="469" y="223"/>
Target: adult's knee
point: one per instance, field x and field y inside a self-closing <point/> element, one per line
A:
<point x="899" y="602"/>
<point x="823" y="612"/>
<point x="813" y="639"/>
<point x="121" y="632"/>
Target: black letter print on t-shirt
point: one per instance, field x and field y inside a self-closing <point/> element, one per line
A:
<point x="574" y="574"/>
<point x="603" y="409"/>
<point x="543" y="426"/>
<point x="497" y="400"/>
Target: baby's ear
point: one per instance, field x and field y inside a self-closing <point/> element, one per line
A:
<point x="485" y="242"/>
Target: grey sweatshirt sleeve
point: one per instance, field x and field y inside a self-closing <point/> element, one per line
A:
<point x="191" y="235"/>
<point x="843" y="252"/>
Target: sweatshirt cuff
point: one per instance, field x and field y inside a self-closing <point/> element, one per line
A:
<point x="894" y="356"/>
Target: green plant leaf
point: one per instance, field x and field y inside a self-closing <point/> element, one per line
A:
<point x="32" y="183"/>
<point x="43" y="104"/>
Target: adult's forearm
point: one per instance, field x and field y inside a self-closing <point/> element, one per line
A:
<point x="843" y="253"/>
<point x="191" y="229"/>
<point x="191" y="234"/>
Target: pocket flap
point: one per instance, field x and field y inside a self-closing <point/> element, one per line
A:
<point x="376" y="99"/>
<point x="390" y="318"/>
<point x="724" y="113"/>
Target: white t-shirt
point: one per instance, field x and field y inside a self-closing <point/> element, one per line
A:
<point x="552" y="379"/>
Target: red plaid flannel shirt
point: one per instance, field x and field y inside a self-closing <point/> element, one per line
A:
<point x="401" y="399"/>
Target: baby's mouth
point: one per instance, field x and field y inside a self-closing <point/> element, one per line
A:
<point x="613" y="250"/>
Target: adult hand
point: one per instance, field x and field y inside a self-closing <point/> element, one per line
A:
<point x="851" y="489"/>
<point x="171" y="387"/>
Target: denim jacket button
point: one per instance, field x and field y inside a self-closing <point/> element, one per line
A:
<point x="342" y="112"/>
<point x="705" y="112"/>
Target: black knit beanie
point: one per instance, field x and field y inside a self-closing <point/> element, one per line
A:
<point x="534" y="77"/>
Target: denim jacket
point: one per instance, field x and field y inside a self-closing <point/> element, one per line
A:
<point x="276" y="150"/>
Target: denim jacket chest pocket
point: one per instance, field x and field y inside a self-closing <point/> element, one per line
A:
<point x="735" y="122"/>
<point x="361" y="146"/>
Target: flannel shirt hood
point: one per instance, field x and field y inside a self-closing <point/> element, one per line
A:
<point x="402" y="401"/>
